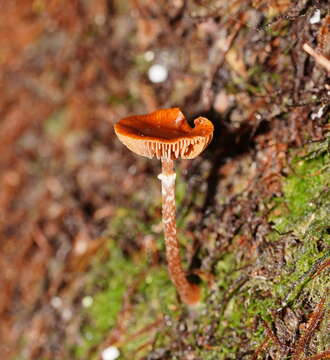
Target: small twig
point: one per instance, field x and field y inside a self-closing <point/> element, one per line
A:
<point x="263" y="346"/>
<point x="272" y="335"/>
<point x="312" y="324"/>
<point x="319" y="58"/>
<point x="298" y="285"/>
<point x="233" y="289"/>
<point x="147" y="328"/>
<point x="322" y="355"/>
<point x="322" y="266"/>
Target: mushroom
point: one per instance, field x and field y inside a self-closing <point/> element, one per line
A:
<point x="166" y="135"/>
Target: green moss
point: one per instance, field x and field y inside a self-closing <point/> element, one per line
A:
<point x="302" y="213"/>
<point x="228" y="310"/>
<point x="150" y="299"/>
<point x="303" y="193"/>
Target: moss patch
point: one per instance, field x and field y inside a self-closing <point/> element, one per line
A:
<point x="241" y="301"/>
<point x="303" y="215"/>
<point x="131" y="297"/>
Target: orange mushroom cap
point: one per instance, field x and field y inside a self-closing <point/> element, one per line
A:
<point x="165" y="133"/>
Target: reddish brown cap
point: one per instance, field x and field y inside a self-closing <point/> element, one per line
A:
<point x="165" y="134"/>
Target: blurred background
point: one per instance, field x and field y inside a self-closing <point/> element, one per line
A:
<point x="82" y="265"/>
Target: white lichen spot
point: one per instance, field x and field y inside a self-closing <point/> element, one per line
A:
<point x="87" y="301"/>
<point x="316" y="17"/>
<point x="110" y="353"/>
<point x="157" y="73"/>
<point x="149" y="55"/>
<point x="318" y="114"/>
<point x="56" y="302"/>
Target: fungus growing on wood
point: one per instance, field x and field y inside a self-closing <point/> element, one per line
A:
<point x="166" y="135"/>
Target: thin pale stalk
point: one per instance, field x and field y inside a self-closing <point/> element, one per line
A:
<point x="319" y="58"/>
<point x="189" y="293"/>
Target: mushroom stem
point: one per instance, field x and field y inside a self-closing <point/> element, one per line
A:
<point x="189" y="293"/>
